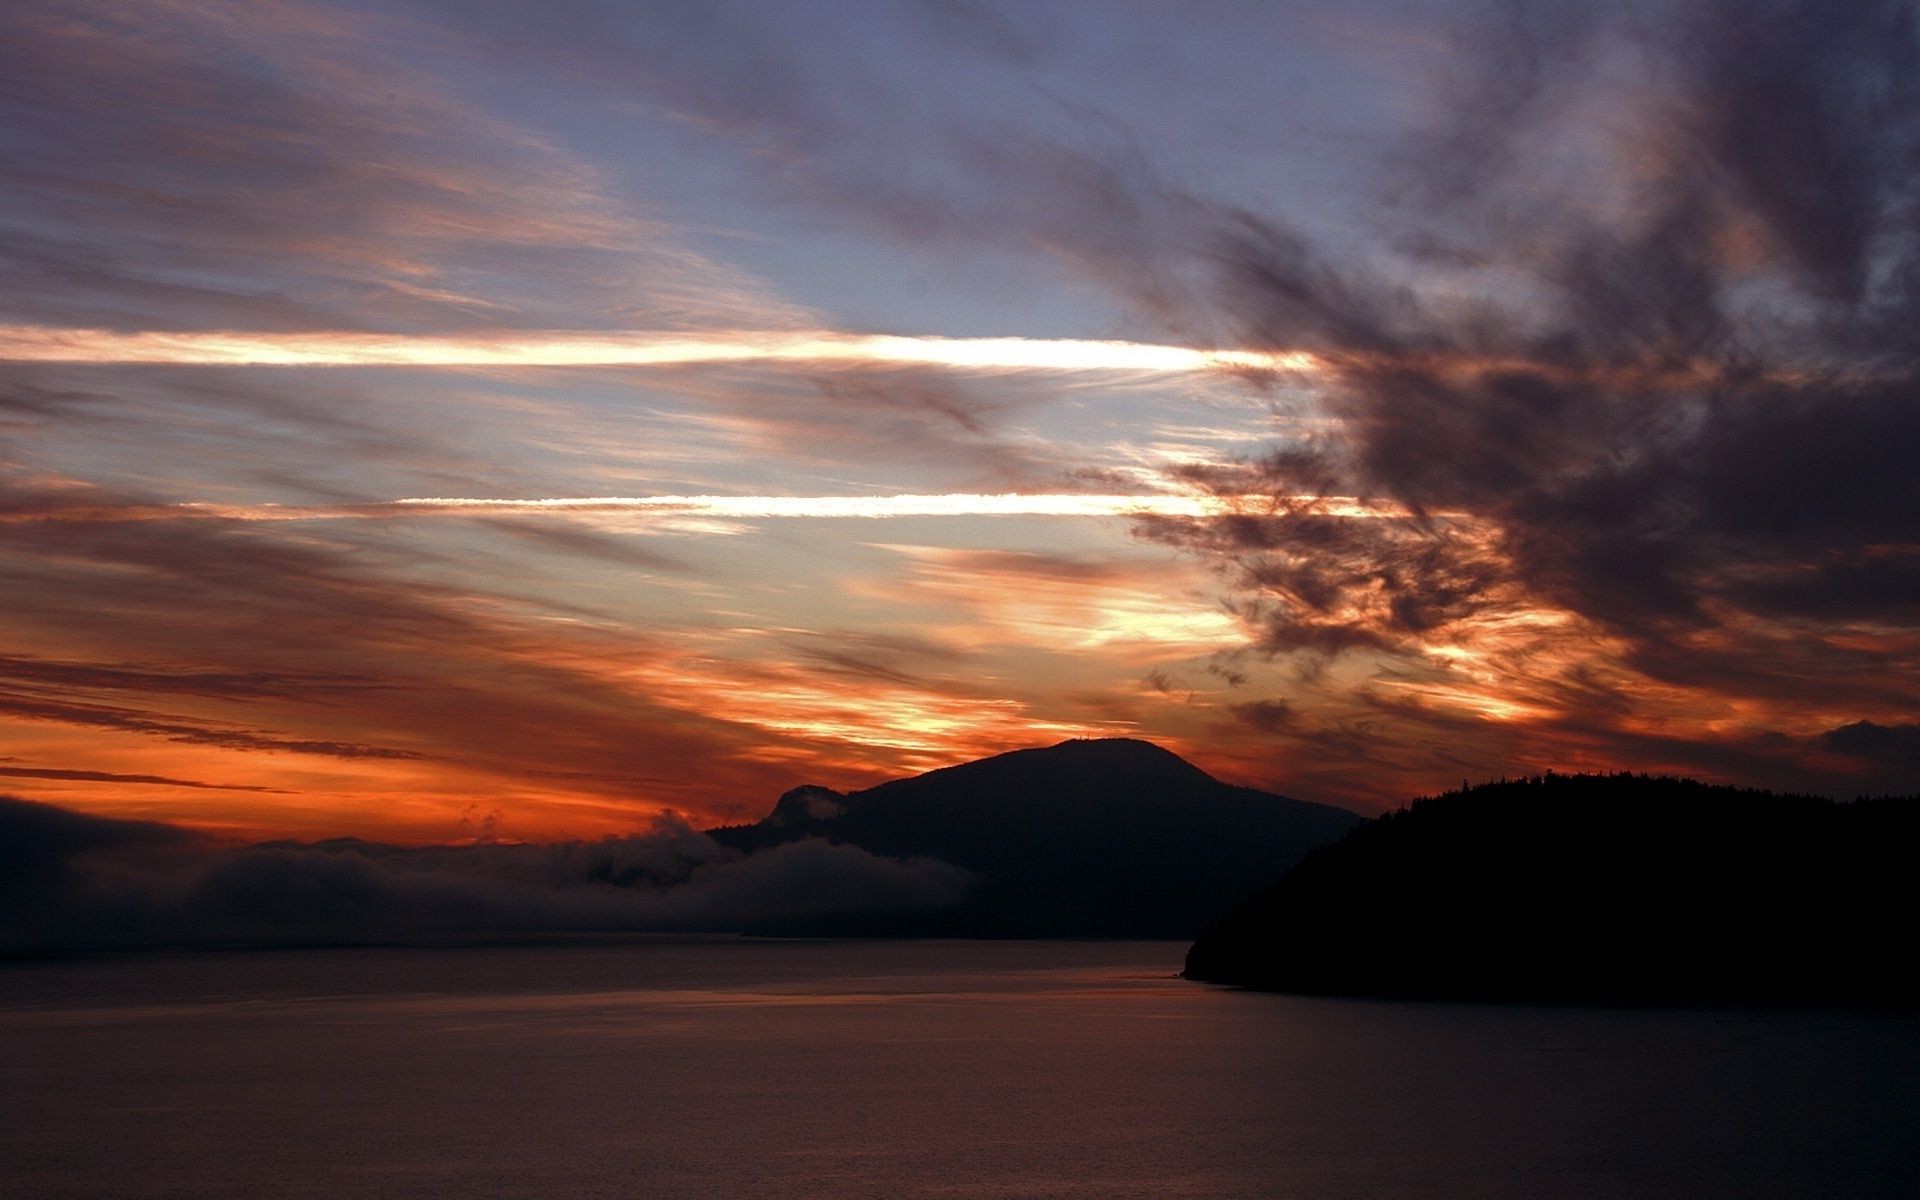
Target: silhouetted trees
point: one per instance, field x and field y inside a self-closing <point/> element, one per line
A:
<point x="1605" y="887"/>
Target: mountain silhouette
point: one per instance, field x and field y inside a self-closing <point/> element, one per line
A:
<point x="1109" y="837"/>
<point x="1618" y="887"/>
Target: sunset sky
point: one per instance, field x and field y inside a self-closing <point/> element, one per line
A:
<point x="433" y="420"/>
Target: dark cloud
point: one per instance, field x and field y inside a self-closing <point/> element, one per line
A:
<point x="198" y="733"/>
<point x="887" y="658"/>
<point x="1671" y="394"/>
<point x="26" y="400"/>
<point x="69" y="674"/>
<point x="40" y="839"/>
<point x="72" y="880"/>
<point x="1267" y="716"/>
<point x="1893" y="745"/>
<point x="80" y="776"/>
<point x="44" y="689"/>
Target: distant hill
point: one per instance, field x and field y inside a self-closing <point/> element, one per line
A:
<point x="1615" y="887"/>
<point x="1096" y="838"/>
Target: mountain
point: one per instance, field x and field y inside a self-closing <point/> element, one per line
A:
<point x="1090" y="838"/>
<point x="1618" y="887"/>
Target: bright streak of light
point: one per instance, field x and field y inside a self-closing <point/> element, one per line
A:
<point x="737" y="508"/>
<point x="32" y="343"/>
<point x="1068" y="504"/>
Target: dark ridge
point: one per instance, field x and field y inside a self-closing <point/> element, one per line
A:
<point x="1090" y="838"/>
<point x="1588" y="887"/>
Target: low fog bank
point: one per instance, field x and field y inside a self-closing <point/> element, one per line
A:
<point x="73" y="881"/>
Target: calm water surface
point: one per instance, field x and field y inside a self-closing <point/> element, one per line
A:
<point x="901" y="1069"/>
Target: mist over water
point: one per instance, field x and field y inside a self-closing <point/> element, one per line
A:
<point x="798" y="1069"/>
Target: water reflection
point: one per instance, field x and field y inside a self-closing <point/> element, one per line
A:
<point x="706" y="1069"/>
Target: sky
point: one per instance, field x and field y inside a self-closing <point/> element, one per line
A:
<point x="448" y="421"/>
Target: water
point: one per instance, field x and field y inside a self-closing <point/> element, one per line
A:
<point x="899" y="1069"/>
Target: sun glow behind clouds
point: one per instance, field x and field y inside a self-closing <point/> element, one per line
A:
<point x="30" y="343"/>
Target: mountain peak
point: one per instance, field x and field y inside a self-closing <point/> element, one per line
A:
<point x="1116" y="751"/>
<point x="807" y="805"/>
<point x="1087" y="762"/>
<point x="1091" y="837"/>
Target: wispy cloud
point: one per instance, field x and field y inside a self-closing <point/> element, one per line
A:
<point x="429" y="687"/>
<point x="574" y="718"/>
<point x="198" y="164"/>
<point x="224" y="735"/>
<point x="1057" y="604"/>
<point x="70" y="774"/>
